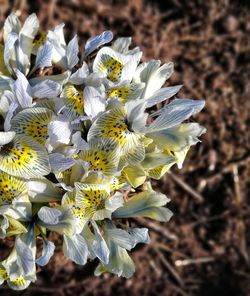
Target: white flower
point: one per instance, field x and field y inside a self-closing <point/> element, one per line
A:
<point x="75" y="146"/>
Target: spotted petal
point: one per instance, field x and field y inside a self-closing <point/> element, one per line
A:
<point x="10" y="188"/>
<point x="19" y="284"/>
<point x="33" y="122"/>
<point x="78" y="212"/>
<point x="126" y="92"/>
<point x="113" y="124"/>
<point x="110" y="63"/>
<point x="91" y="197"/>
<point x="39" y="41"/>
<point x="23" y="157"/>
<point x="73" y="100"/>
<point x="103" y="155"/>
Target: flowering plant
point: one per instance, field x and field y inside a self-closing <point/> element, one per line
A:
<point x="79" y="143"/>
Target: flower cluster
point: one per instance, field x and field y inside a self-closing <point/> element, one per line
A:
<point x="79" y="143"/>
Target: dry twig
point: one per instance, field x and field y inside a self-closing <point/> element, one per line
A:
<point x="197" y="196"/>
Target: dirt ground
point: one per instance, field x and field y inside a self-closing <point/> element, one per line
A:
<point x="205" y="248"/>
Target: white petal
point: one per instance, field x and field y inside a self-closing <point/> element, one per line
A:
<point x="6" y="137"/>
<point x="122" y="44"/>
<point x="146" y="204"/>
<point x="72" y="52"/>
<point x="121" y="238"/>
<point x="139" y="235"/>
<point x="11" y="24"/>
<point x="175" y="113"/>
<point x="6" y="100"/>
<point x="43" y="190"/>
<point x="24" y="256"/>
<point x="60" y="78"/>
<point x="114" y="202"/>
<point x="26" y="37"/>
<point x="59" y="130"/>
<point x="94" y="42"/>
<point x="47" y="253"/>
<point x="136" y="114"/>
<point x="77" y="77"/>
<point x="153" y="75"/>
<point x="75" y="248"/>
<point x="9" y="116"/>
<point x="46" y="89"/>
<point x="9" y="49"/>
<point x="99" y="245"/>
<point x="93" y="102"/>
<point x="56" y="37"/>
<point x="59" y="162"/>
<point x="79" y="142"/>
<point x="162" y="95"/>
<point x="130" y="67"/>
<point x="49" y="215"/>
<point x="44" y="56"/>
<point x="23" y="90"/>
<point x="195" y="105"/>
<point x="178" y="138"/>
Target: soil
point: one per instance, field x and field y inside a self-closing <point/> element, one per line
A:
<point x="204" y="249"/>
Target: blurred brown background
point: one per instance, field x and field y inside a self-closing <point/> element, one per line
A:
<point x="204" y="250"/>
